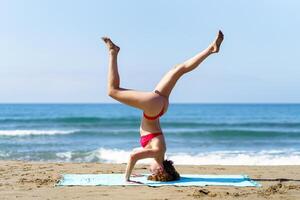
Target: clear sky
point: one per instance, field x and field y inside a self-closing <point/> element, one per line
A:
<point x="51" y="50"/>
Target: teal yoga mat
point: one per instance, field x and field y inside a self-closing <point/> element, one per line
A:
<point x="185" y="180"/>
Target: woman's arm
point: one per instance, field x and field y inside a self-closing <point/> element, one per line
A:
<point x="138" y="155"/>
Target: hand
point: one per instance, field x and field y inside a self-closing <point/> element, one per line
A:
<point x="137" y="175"/>
<point x="131" y="181"/>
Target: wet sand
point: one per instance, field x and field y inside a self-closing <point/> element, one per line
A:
<point x="36" y="180"/>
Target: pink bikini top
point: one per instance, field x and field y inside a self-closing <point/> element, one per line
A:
<point x="155" y="117"/>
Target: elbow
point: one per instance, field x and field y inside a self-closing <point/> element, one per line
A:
<point x="133" y="157"/>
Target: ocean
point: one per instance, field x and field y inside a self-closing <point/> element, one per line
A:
<point x="196" y="134"/>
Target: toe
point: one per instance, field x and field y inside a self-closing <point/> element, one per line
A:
<point x="221" y="34"/>
<point x="105" y="39"/>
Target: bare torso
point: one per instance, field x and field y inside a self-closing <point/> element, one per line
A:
<point x="153" y="126"/>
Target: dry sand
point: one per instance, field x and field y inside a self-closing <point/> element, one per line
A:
<point x="36" y="180"/>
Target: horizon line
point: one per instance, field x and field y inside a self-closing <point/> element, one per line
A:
<point x="170" y="103"/>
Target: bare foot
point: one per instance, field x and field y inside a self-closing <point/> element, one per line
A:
<point x="215" y="46"/>
<point x="110" y="45"/>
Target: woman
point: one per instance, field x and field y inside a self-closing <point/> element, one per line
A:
<point x="153" y="104"/>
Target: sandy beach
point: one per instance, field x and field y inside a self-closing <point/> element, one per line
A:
<point x="36" y="180"/>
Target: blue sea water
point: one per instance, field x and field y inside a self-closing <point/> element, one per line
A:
<point x="227" y="134"/>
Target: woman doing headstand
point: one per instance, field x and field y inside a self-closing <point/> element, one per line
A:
<point x="153" y="104"/>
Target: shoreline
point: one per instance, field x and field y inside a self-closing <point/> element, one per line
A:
<point x="28" y="180"/>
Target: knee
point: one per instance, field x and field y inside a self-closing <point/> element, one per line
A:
<point x="179" y="69"/>
<point x="112" y="92"/>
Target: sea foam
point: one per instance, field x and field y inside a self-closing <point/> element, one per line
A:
<point x="266" y="157"/>
<point x="34" y="132"/>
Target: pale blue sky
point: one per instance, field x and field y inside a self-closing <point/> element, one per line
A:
<point x="51" y="50"/>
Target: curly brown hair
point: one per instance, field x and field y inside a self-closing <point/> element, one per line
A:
<point x="169" y="173"/>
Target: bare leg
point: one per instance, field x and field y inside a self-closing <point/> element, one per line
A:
<point x="113" y="73"/>
<point x="168" y="82"/>
<point x="147" y="101"/>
